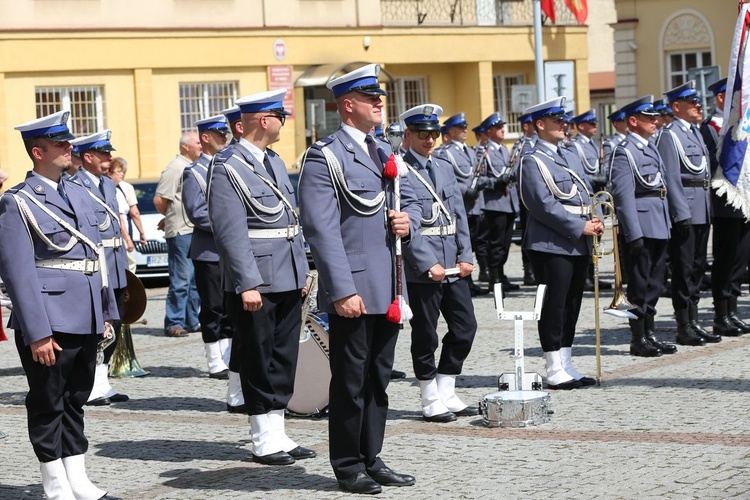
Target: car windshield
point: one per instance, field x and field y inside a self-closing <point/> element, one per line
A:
<point x="145" y="191"/>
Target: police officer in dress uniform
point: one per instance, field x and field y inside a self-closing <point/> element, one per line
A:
<point x="523" y="144"/>
<point x="641" y="203"/>
<point x="262" y="257"/>
<point x="95" y="152"/>
<point x="478" y="243"/>
<point x="349" y="226"/>
<point x="665" y="117"/>
<point x="463" y="160"/>
<point x="620" y="125"/>
<point x="216" y="328"/>
<point x="49" y="244"/>
<point x="731" y="234"/>
<point x="558" y="196"/>
<point x="445" y="244"/>
<point x="584" y="146"/>
<point x="500" y="203"/>
<point x="686" y="159"/>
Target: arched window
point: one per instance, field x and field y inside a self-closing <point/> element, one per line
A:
<point x="687" y="42"/>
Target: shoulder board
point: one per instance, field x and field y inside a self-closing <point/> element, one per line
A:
<point x="441" y="161"/>
<point x="324" y="142"/>
<point x="223" y="155"/>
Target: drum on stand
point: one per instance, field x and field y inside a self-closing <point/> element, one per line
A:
<point x="515" y="408"/>
<point x="313" y="376"/>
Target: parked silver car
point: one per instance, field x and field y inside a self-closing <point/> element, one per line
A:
<point x="151" y="258"/>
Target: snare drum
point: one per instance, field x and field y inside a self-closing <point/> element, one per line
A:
<point x="515" y="408"/>
<point x="313" y="375"/>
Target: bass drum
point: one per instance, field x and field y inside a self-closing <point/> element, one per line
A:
<point x="313" y="376"/>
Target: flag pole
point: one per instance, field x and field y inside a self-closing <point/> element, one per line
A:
<point x="538" y="61"/>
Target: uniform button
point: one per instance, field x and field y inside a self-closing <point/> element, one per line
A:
<point x="44" y="287"/>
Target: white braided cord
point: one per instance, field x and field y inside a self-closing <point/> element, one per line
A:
<point x="587" y="167"/>
<point x="456" y="169"/>
<point x="689" y="166"/>
<point x="371" y="207"/>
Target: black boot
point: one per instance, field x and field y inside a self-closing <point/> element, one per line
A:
<point x="482" y="263"/>
<point x="474" y="289"/>
<point x="685" y="334"/>
<point x="639" y="346"/>
<point x="665" y="347"/>
<point x="732" y="313"/>
<point x="528" y="274"/>
<point x="722" y="324"/>
<point x="492" y="278"/>
<point x="711" y="338"/>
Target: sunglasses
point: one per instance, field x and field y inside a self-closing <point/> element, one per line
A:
<point x="424" y="134"/>
<point x="281" y="118"/>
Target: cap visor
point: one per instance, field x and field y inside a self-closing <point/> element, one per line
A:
<point x="371" y="91"/>
<point x="423" y="126"/>
<point x="61" y="137"/>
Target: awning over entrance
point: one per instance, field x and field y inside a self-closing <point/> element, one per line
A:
<point x="318" y="76"/>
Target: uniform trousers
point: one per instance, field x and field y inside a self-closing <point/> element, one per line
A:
<point x="646" y="275"/>
<point x="215" y="324"/>
<point x="731" y="248"/>
<point x="268" y="348"/>
<point x="117" y="325"/>
<point x="427" y="301"/>
<point x="474" y="223"/>
<point x="565" y="276"/>
<point x="688" y="258"/>
<point x="362" y="351"/>
<point x="497" y="231"/>
<point x="57" y="393"/>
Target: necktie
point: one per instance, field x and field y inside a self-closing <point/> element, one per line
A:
<point x="466" y="150"/>
<point x="372" y="150"/>
<point x="101" y="189"/>
<point x="430" y="172"/>
<point x="269" y="169"/>
<point x="61" y="191"/>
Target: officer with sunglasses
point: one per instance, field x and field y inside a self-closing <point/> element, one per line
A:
<point x="688" y="176"/>
<point x="444" y="245"/>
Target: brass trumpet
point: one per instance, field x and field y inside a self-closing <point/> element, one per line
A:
<point x="603" y="203"/>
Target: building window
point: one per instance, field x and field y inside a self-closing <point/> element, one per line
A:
<point x="403" y="94"/>
<point x="85" y="104"/>
<point x="503" y="100"/>
<point x="679" y="63"/>
<point x="201" y="100"/>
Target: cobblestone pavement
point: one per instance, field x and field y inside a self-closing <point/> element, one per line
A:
<point x="671" y="427"/>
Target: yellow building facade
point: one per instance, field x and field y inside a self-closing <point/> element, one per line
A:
<point x="148" y="70"/>
<point x="659" y="42"/>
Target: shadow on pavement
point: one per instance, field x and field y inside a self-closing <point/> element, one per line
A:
<point x="175" y="372"/>
<point x="181" y="403"/>
<point x="12" y="398"/>
<point x="16" y="371"/>
<point x="260" y="478"/>
<point x="164" y="450"/>
<point x="28" y="491"/>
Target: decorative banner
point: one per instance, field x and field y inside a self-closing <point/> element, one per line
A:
<point x="280" y="77"/>
<point x="579" y="8"/>
<point x="733" y="178"/>
<point x="548" y="7"/>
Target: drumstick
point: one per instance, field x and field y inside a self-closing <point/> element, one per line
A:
<point x="451" y="271"/>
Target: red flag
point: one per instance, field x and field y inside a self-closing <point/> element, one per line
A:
<point x="548" y="7"/>
<point x="579" y="8"/>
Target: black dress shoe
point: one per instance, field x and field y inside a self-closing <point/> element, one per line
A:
<point x="360" y="483"/>
<point x="724" y="326"/>
<point x="278" y="458"/>
<point x="510" y="287"/>
<point x="709" y="337"/>
<point x="477" y="291"/>
<point x="99" y="402"/>
<point x="588" y="285"/>
<point x="222" y="375"/>
<point x="441" y="418"/>
<point x="587" y="381"/>
<point x="736" y="321"/>
<point x="119" y="398"/>
<point x="687" y="336"/>
<point x="605" y="285"/>
<point x="397" y="374"/>
<point x="236" y="409"/>
<point x="469" y="411"/>
<point x="565" y="386"/>
<point x="386" y="477"/>
<point x="300" y="453"/>
<point x="664" y="347"/>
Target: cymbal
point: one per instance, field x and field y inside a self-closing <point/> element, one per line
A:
<point x="135" y="299"/>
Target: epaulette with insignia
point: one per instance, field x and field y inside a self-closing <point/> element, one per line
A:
<point x="324" y="142"/>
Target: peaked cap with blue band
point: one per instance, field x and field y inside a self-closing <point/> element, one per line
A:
<point x="524" y="118"/>
<point x="363" y="80"/>
<point x="270" y="100"/>
<point x="479" y="129"/>
<point x="568" y="117"/>
<point x="96" y="142"/>
<point x="232" y="114"/>
<point x="51" y="127"/>
<point x="616" y="116"/>
<point x="585" y="117"/>
<point x="422" y="117"/>
<point x="494" y="120"/>
<point x="457" y="120"/>
<point x="684" y="91"/>
<point x="216" y="122"/>
<point x="662" y="107"/>
<point x="553" y="108"/>
<point x="644" y="106"/>
<point x="718" y="87"/>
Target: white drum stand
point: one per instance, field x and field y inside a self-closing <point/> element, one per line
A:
<point x="520" y="402"/>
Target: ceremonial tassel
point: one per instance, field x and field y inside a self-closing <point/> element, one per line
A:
<point x="399" y="310"/>
<point x="390" y="169"/>
<point x="2" y="329"/>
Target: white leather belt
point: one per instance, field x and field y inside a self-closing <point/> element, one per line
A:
<point x="86" y="266"/>
<point x="438" y="230"/>
<point x="288" y="232"/>
<point x="112" y="242"/>
<point x="579" y="210"/>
